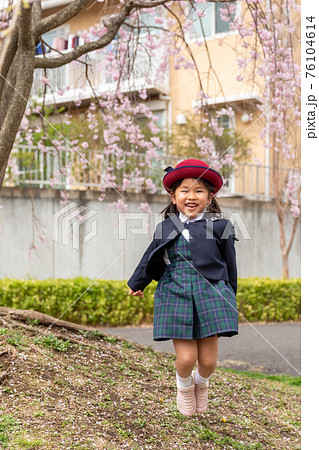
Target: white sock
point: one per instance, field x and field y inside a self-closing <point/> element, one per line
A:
<point x="183" y="382"/>
<point x="198" y="379"/>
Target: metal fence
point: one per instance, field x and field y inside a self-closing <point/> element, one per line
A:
<point x="93" y="169"/>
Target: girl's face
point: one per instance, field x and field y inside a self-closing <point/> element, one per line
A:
<point x="191" y="197"/>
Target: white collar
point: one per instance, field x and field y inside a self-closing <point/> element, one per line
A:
<point x="184" y="218"/>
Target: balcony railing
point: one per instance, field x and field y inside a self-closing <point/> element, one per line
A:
<point x="66" y="169"/>
<point x="70" y="83"/>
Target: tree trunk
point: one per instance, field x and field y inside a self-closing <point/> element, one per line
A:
<point x="18" y="92"/>
<point x="6" y="99"/>
<point x="284" y="252"/>
<point x="281" y="210"/>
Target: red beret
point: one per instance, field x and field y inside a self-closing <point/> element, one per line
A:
<point x="192" y="168"/>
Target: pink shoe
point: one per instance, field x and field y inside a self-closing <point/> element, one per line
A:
<point x="186" y="402"/>
<point x="201" y="395"/>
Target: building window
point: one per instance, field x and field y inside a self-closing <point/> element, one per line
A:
<point x="145" y="24"/>
<point x="53" y="37"/>
<point x="210" y="23"/>
<point x="148" y="20"/>
<point x="221" y="26"/>
<point x="224" y="121"/>
<point x="161" y="119"/>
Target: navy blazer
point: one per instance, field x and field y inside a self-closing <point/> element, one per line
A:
<point x="212" y="247"/>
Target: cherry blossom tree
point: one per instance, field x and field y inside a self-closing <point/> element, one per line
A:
<point x="266" y="47"/>
<point x="276" y="26"/>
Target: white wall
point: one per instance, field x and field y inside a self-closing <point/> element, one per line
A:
<point x="110" y="256"/>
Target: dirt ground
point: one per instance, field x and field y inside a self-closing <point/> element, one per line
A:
<point x="81" y="389"/>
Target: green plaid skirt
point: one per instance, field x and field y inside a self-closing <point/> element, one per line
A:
<point x="187" y="305"/>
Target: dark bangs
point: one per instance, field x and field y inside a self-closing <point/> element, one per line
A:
<point x="213" y="207"/>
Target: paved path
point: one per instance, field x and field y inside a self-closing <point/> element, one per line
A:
<point x="272" y="348"/>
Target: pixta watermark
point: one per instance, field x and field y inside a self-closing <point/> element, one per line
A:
<point x="67" y="223"/>
<point x="138" y="223"/>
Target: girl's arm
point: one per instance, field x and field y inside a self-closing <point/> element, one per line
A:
<point x="229" y="253"/>
<point x="139" y="280"/>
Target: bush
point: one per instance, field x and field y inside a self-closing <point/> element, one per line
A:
<point x="267" y="300"/>
<point x="108" y="302"/>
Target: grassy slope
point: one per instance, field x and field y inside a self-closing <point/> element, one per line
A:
<point x="103" y="393"/>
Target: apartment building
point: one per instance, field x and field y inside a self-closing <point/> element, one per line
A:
<point x="173" y="97"/>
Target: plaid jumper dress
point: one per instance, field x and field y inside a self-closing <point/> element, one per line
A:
<point x="187" y="305"/>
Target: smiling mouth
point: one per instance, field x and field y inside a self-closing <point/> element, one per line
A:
<point x="191" y="206"/>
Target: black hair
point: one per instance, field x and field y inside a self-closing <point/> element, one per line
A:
<point x="213" y="207"/>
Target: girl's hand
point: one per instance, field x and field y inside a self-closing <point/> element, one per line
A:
<point x="136" y="293"/>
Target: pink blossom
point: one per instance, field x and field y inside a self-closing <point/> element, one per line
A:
<point x="156" y="141"/>
<point x="24" y="123"/>
<point x="115" y="75"/>
<point x="216" y="165"/>
<point x="143" y="94"/>
<point x="291" y="28"/>
<point x="227" y="159"/>
<point x="67" y="118"/>
<point x="295" y="210"/>
<point x="42" y="147"/>
<point x="150" y="185"/>
<point x="200" y="12"/>
<point x="65" y="196"/>
<point x="45" y="81"/>
<point x="241" y="63"/>
<point x="225" y="112"/>
<point x="78" y="102"/>
<point x="122" y="47"/>
<point x="145" y="207"/>
<point x="120" y="205"/>
<point x="139" y="181"/>
<point x="170" y="22"/>
<point x="125" y="184"/>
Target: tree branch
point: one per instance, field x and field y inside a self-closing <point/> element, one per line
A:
<point x="152" y="3"/>
<point x="36" y="13"/>
<point x="43" y="319"/>
<point x="51" y="63"/>
<point x="9" y="51"/>
<point x="25" y="28"/>
<point x="292" y="235"/>
<point x="60" y="17"/>
<point x="112" y="24"/>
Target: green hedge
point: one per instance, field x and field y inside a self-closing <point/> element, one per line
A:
<point x="268" y="300"/>
<point x="107" y="302"/>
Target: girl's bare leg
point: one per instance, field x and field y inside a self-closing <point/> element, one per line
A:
<point x="186" y="356"/>
<point x="207" y="355"/>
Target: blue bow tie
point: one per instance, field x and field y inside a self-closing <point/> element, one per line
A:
<point x="186" y="225"/>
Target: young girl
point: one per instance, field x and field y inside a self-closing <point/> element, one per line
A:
<point x="192" y="256"/>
